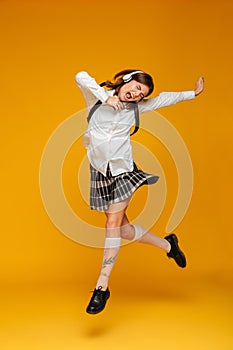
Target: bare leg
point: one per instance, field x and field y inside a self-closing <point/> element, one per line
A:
<point x="129" y="231"/>
<point x="114" y="215"/>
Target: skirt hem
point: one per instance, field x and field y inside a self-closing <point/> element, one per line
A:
<point x="107" y="190"/>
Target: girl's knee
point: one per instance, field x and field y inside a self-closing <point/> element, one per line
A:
<point x="113" y="223"/>
<point x="113" y="226"/>
<point x="127" y="232"/>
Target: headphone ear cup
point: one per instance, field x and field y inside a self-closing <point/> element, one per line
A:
<point x="127" y="77"/>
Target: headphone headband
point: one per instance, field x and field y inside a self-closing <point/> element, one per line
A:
<point x="128" y="77"/>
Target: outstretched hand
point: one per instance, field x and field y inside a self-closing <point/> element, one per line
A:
<point x="199" y="86"/>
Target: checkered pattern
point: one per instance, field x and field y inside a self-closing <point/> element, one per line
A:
<point x="106" y="190"/>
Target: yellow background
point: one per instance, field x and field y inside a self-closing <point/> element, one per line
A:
<point x="45" y="277"/>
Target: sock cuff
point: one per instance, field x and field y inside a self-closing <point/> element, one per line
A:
<point x="139" y="232"/>
<point x="112" y="242"/>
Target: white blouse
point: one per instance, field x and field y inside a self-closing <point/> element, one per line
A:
<point x="108" y="134"/>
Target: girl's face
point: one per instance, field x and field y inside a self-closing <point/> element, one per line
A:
<point x="133" y="91"/>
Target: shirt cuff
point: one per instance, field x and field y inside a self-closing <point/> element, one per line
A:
<point x="189" y="95"/>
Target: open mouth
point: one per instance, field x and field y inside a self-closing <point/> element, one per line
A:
<point x="128" y="95"/>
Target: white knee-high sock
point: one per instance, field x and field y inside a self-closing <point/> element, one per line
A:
<point x="143" y="236"/>
<point x="139" y="232"/>
<point x="111" y="250"/>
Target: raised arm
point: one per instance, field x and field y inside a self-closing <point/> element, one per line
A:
<point x="165" y="99"/>
<point x="90" y="89"/>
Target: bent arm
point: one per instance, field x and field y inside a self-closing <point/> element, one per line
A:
<point x="89" y="87"/>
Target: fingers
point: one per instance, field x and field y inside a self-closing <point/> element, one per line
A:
<point x="201" y="81"/>
<point x="118" y="106"/>
<point x="115" y="103"/>
<point x="199" y="86"/>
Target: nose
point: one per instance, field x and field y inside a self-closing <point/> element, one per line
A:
<point x="138" y="96"/>
<point x="135" y="94"/>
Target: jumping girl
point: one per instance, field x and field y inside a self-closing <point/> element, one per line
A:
<point x="114" y="175"/>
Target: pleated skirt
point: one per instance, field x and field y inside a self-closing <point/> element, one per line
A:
<point x="106" y="190"/>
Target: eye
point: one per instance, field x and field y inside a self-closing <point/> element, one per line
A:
<point x="141" y="94"/>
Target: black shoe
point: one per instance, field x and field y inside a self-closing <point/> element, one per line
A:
<point x="175" y="251"/>
<point x="98" y="301"/>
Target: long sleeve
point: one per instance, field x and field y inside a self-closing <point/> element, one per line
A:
<point x="91" y="91"/>
<point x="165" y="99"/>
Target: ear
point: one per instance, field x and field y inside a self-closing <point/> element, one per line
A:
<point x="128" y="77"/>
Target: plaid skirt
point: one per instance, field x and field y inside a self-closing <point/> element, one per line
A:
<point x="106" y="190"/>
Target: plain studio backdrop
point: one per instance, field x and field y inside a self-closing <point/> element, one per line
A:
<point x="45" y="276"/>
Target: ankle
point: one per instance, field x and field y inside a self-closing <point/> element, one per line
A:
<point x="102" y="288"/>
<point x="167" y="246"/>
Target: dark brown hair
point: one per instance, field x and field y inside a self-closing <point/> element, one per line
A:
<point x="141" y="77"/>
